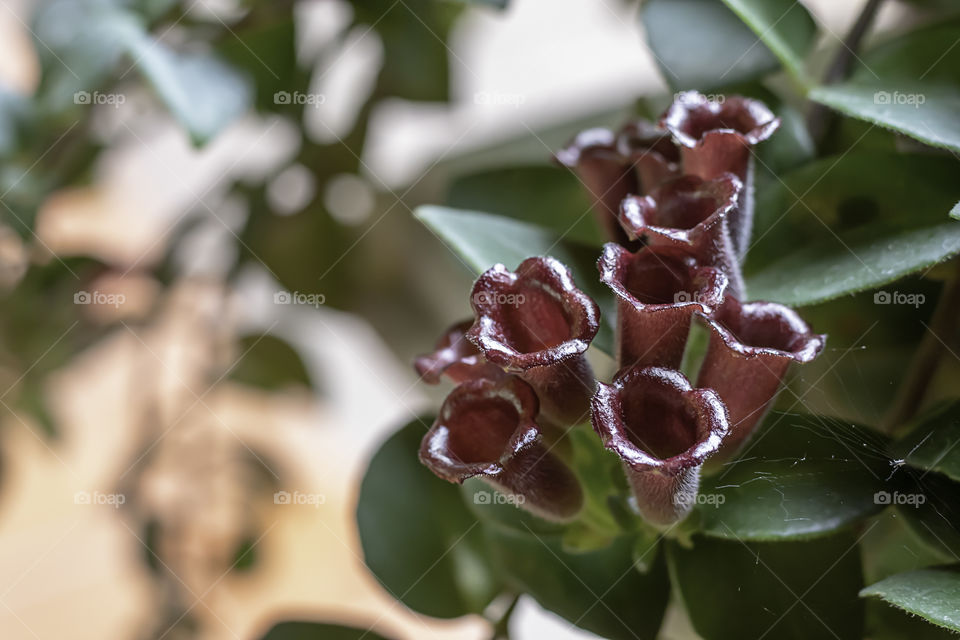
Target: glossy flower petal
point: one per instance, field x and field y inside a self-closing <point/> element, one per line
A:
<point x="692" y="215"/>
<point x="751" y="347"/>
<point x="455" y="357"/>
<point x="537" y="324"/>
<point x="658" y="290"/>
<point x="663" y="430"/>
<point x="488" y="429"/>
<point x="715" y="138"/>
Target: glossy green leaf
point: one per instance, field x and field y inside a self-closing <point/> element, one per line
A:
<point x="547" y="196"/>
<point x="484" y="240"/>
<point x="801" y="476"/>
<point x="934" y="444"/>
<point x="734" y="590"/>
<point x="933" y="594"/>
<point x="418" y="537"/>
<point x="930" y="507"/>
<point x="317" y="631"/>
<point x="908" y="84"/>
<point x="785" y="26"/>
<point x="600" y="591"/>
<point x="681" y="32"/>
<point x="851" y="223"/>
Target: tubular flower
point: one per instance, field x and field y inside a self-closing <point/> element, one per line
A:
<point x="650" y="151"/>
<point x="614" y="165"/>
<point x="607" y="176"/>
<point x="658" y="290"/>
<point x="537" y="324"/>
<point x="716" y="138"/>
<point x="487" y="429"/>
<point x="455" y="357"/>
<point x="692" y="215"/>
<point x="662" y="429"/>
<point x="751" y="347"/>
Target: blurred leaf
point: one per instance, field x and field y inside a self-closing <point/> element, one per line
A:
<point x="933" y="594"/>
<point x="859" y="221"/>
<point x="801" y="476"/>
<point x="736" y="590"/>
<point x="785" y="26"/>
<point x="547" y="196"/>
<point x="600" y="591"/>
<point x="318" y="631"/>
<point x="203" y="93"/>
<point x="484" y="240"/>
<point x="418" y="538"/>
<point x="908" y="84"/>
<point x="932" y="444"/>
<point x="701" y="44"/>
<point x="269" y="362"/>
<point x="478" y="496"/>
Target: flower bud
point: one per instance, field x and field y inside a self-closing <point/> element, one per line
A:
<point x="693" y="216"/>
<point x="456" y="357"/>
<point x="487" y="429"/>
<point x="537" y="324"/>
<point x="663" y="430"/>
<point x="751" y="347"/>
<point x="658" y="290"/>
<point x="716" y="138"/>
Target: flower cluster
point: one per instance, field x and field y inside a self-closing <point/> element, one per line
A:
<point x="675" y="199"/>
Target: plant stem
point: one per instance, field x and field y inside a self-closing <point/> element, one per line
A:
<point x="926" y="359"/>
<point x="821" y="117"/>
<point x="501" y="630"/>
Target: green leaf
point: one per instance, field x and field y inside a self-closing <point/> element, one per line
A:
<point x="933" y="594"/>
<point x="484" y="240"/>
<point x="418" y="538"/>
<point x="930" y="507"/>
<point x="801" y="476"/>
<point x="701" y="44"/>
<point x="785" y="26"/>
<point x="547" y="196"/>
<point x="317" y="631"/>
<point x="933" y="444"/>
<point x="736" y="590"/>
<point x="269" y="362"/>
<point x="267" y="53"/>
<point x="858" y="221"/>
<point x="908" y="84"/>
<point x="203" y="93"/>
<point x="600" y="591"/>
<point x="499" y="4"/>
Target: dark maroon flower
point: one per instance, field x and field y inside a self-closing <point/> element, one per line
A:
<point x="456" y="357"/>
<point x="614" y="165"/>
<point x="606" y="174"/>
<point x="488" y="429"/>
<point x="537" y="324"/>
<point x="650" y="151"/>
<point x="751" y="346"/>
<point x="715" y="138"/>
<point x="663" y="430"/>
<point x="693" y="215"/>
<point x="658" y="290"/>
